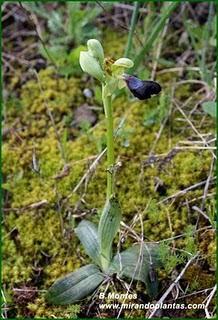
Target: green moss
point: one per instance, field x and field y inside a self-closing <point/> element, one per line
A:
<point x="199" y="278"/>
<point x="112" y="47"/>
<point x="207" y="247"/>
<point x="40" y="310"/>
<point x="16" y="269"/>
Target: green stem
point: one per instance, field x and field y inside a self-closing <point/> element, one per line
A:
<point x="110" y="142"/>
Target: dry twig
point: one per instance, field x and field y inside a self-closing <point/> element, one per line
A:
<point x="184" y="191"/>
<point x="209" y="298"/>
<point x="171" y="287"/>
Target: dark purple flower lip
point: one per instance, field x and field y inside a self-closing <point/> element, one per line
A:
<point x="141" y="89"/>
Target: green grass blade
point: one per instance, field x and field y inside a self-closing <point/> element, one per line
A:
<point x="206" y="36"/>
<point x="167" y="10"/>
<point x="132" y="28"/>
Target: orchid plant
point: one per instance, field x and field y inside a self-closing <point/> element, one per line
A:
<point x="137" y="262"/>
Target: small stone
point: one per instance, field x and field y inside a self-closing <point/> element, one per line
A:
<point x="84" y="114"/>
<point x="88" y="93"/>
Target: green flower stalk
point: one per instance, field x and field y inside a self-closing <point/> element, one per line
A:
<point x="110" y="142"/>
<point x="92" y="62"/>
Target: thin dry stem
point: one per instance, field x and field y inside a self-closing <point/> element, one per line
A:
<point x="171" y="287"/>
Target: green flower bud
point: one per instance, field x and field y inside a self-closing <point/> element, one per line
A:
<point x="90" y="65"/>
<point x="124" y="63"/>
<point x="96" y="50"/>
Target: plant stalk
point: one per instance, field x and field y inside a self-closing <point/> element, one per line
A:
<point x="110" y="142"/>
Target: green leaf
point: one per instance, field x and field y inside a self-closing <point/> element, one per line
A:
<point x="138" y="263"/>
<point x="75" y="286"/>
<point x="210" y="107"/>
<point x="88" y="235"/>
<point x="107" y="229"/>
<point x="74" y="54"/>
